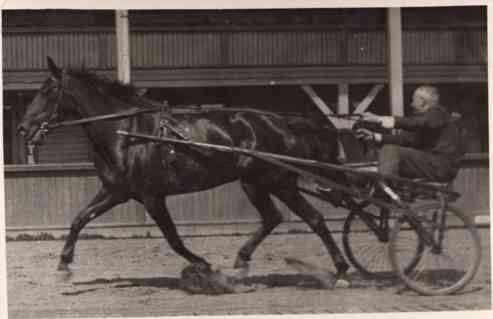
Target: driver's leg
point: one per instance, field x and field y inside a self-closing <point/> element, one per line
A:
<point x="389" y="159"/>
<point x="412" y="163"/>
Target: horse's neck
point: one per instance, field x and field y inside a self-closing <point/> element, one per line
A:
<point x="97" y="105"/>
<point x="93" y="105"/>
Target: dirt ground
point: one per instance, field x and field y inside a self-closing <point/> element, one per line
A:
<point x="139" y="277"/>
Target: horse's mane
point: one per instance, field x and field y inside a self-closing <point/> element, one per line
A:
<point x="127" y="93"/>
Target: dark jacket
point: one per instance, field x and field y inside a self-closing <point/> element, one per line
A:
<point x="433" y="131"/>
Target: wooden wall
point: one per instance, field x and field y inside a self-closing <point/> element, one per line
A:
<point x="248" y="47"/>
<point x="65" y="145"/>
<point x="27" y="51"/>
<point x="49" y="196"/>
<point x="473" y="182"/>
<point x="238" y="58"/>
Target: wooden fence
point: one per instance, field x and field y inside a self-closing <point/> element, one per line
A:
<point x="47" y="197"/>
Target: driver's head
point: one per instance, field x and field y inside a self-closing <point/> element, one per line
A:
<point x="425" y="97"/>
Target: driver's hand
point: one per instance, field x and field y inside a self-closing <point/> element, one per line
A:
<point x="368" y="135"/>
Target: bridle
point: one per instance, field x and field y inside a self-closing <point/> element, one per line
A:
<point x="51" y="122"/>
<point x="60" y="91"/>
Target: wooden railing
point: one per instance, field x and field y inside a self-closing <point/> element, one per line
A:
<point x="49" y="196"/>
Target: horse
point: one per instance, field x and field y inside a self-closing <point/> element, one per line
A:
<point x="148" y="172"/>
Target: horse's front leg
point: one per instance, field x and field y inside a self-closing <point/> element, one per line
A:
<point x="101" y="203"/>
<point x="156" y="207"/>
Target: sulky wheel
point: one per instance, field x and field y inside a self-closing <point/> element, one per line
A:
<point x="445" y="266"/>
<point x="366" y="238"/>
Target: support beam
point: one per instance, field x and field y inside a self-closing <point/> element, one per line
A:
<point x="343" y="100"/>
<point x="317" y="100"/>
<point x="338" y="122"/>
<point x="365" y="103"/>
<point x="394" y="63"/>
<point x="122" y="45"/>
<point x="342" y="108"/>
<point x="20" y="155"/>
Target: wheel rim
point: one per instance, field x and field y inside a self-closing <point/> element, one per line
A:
<point x="368" y="253"/>
<point x="445" y="269"/>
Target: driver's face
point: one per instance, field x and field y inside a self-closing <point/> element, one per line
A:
<point x="420" y="102"/>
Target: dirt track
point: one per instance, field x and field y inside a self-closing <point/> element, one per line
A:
<point x="139" y="277"/>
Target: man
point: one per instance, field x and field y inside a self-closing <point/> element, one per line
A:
<point x="429" y="144"/>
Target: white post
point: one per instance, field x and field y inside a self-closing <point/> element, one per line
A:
<point x="31" y="151"/>
<point x="342" y="108"/>
<point x="394" y="63"/>
<point x="122" y="45"/>
<point x="343" y="99"/>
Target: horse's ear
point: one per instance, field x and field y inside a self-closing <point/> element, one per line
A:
<point x="55" y="71"/>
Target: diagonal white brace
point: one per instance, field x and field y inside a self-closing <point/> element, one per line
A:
<point x="326" y="110"/>
<point x="363" y="105"/>
<point x="317" y="100"/>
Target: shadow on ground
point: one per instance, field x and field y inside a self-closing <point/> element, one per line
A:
<point x="300" y="281"/>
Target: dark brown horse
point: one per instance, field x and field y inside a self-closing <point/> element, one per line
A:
<point x="148" y="172"/>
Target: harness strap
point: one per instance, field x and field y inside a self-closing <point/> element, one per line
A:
<point x="165" y="124"/>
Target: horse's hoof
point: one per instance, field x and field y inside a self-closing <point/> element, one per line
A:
<point x="63" y="266"/>
<point x="342" y="282"/>
<point x="202" y="266"/>
<point x="242" y="272"/>
<point x="64" y="272"/>
<point x="65" y="276"/>
<point x="237" y="273"/>
<point x="241" y="263"/>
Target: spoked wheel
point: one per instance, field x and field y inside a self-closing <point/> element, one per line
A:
<point x="366" y="238"/>
<point x="446" y="265"/>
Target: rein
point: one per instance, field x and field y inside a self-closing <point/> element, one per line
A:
<point x="51" y="124"/>
<point x="176" y="111"/>
<point x="97" y="118"/>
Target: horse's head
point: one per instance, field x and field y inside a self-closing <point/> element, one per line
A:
<point x="49" y="103"/>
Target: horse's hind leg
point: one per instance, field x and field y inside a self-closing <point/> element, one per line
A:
<point x="156" y="207"/>
<point x="271" y="217"/>
<point x="101" y="203"/>
<point x="301" y="207"/>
